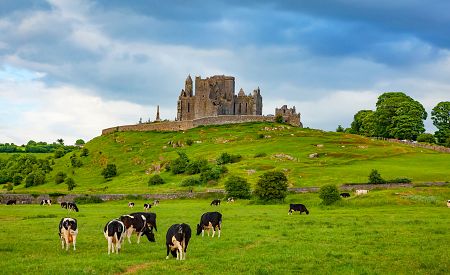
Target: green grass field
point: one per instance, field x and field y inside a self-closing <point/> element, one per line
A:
<point x="403" y="231"/>
<point x="343" y="158"/>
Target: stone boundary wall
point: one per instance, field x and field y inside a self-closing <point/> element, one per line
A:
<point x="438" y="148"/>
<point x="188" y="124"/>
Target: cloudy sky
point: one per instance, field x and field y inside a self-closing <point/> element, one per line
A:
<point x="69" y="68"/>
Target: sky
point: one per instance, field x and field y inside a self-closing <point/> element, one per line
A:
<point x="69" y="68"/>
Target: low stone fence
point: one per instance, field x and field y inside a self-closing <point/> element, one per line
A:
<point x="418" y="144"/>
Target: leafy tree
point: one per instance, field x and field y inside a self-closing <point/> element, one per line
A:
<point x="212" y="173"/>
<point x="340" y="129"/>
<point x="60" y="141"/>
<point x="426" y="137"/>
<point x="225" y="158"/>
<point x="271" y="186"/>
<point x="84" y="152"/>
<point x="17" y="179"/>
<point x="59" y="153"/>
<point x="329" y="194"/>
<point x="191" y="181"/>
<point x="9" y="186"/>
<point x="375" y="177"/>
<point x="70" y="184"/>
<point x="75" y="161"/>
<point x="109" y="171"/>
<point x="79" y="142"/>
<point x="29" y="180"/>
<point x="178" y="166"/>
<point x="39" y="178"/>
<point x="238" y="187"/>
<point x="440" y="115"/>
<point x="60" y="177"/>
<point x="197" y="166"/>
<point x="155" y="180"/>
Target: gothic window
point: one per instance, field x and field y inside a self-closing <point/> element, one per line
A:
<point x="246" y="111"/>
<point x="188" y="107"/>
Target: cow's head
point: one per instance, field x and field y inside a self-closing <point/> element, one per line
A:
<point x="149" y="234"/>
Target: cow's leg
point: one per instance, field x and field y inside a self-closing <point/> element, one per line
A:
<point x="62" y="242"/>
<point x="74" y="242"/>
<point x="66" y="239"/>
<point x="110" y="245"/>
<point x="129" y="232"/>
<point x="214" y="232"/>
<point x="218" y="228"/>
<point x="168" y="250"/>
<point x="203" y="232"/>
<point x="139" y="237"/>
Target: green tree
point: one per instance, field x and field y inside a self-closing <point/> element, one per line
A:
<point x="329" y="194"/>
<point x="238" y="187"/>
<point x="359" y="123"/>
<point x="60" y="177"/>
<point x="84" y="152"/>
<point x="375" y="177"/>
<point x="340" y="129"/>
<point x="60" y="141"/>
<point x="440" y="115"/>
<point x="79" y="142"/>
<point x="109" y="171"/>
<point x="271" y="186"/>
<point x="155" y="180"/>
<point x="178" y="166"/>
<point x="426" y="137"/>
<point x="75" y="161"/>
<point x="59" y="153"/>
<point x="70" y="184"/>
<point x="279" y="119"/>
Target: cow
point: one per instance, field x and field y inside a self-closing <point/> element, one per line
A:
<point x="64" y="204"/>
<point x="345" y="195"/>
<point x="68" y="231"/>
<point x="155" y="202"/>
<point x="147" y="206"/>
<point x="114" y="232"/>
<point x="46" y="202"/>
<point x="177" y="240"/>
<point x="137" y="222"/>
<point x="230" y="199"/>
<point x="297" y="207"/>
<point x="131" y="204"/>
<point x="150" y="218"/>
<point x="361" y="192"/>
<point x="71" y="206"/>
<point x="209" y="220"/>
<point x="215" y="202"/>
<point x="11" y="202"/>
<point x="448" y="203"/>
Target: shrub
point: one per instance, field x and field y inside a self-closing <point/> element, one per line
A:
<point x="88" y="199"/>
<point x="189" y="142"/>
<point x="9" y="186"/>
<point x="155" y="180"/>
<point x="279" y="119"/>
<point x="260" y="155"/>
<point x="225" y="158"/>
<point x="340" y="129"/>
<point x="29" y="180"/>
<point x="39" y="178"/>
<point x="271" y="186"/>
<point x="212" y="173"/>
<point x="329" y="194"/>
<point x="197" y="166"/>
<point x="110" y="171"/>
<point x="260" y="136"/>
<point x="70" y="184"/>
<point x="238" y="187"/>
<point x="400" y="180"/>
<point x="59" y="153"/>
<point x="56" y="194"/>
<point x="84" y="152"/>
<point x="75" y="161"/>
<point x="426" y="137"/>
<point x="178" y="166"/>
<point x="191" y="182"/>
<point x="375" y="177"/>
<point x="60" y="177"/>
<point x="17" y="179"/>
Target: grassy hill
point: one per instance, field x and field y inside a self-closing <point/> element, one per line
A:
<point x="342" y="158"/>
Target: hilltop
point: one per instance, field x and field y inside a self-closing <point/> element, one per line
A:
<point x="339" y="158"/>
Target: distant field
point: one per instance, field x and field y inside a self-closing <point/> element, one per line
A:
<point x="343" y="158"/>
<point x="400" y="231"/>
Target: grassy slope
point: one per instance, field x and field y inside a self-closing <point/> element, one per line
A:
<point x="343" y="158"/>
<point x="385" y="232"/>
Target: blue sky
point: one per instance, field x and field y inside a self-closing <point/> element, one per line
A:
<point x="69" y="68"/>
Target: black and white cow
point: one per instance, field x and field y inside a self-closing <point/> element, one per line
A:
<point x="64" y="204"/>
<point x="147" y="206"/>
<point x="114" y="232"/>
<point x="210" y="220"/>
<point x="297" y="207"/>
<point x="345" y="195"/>
<point x="46" y="202"/>
<point x="71" y="206"/>
<point x="11" y="202"/>
<point x="215" y="202"/>
<point x="177" y="240"/>
<point x="155" y="202"/>
<point x="68" y="231"/>
<point x="131" y="204"/>
<point x="230" y="199"/>
<point x="138" y="222"/>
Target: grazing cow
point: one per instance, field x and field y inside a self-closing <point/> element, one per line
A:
<point x="64" y="205"/>
<point x="215" y="202"/>
<point x="361" y="192"/>
<point x="155" y="202"/>
<point x="209" y="220"/>
<point x="46" y="202"/>
<point x="297" y="207"/>
<point x="150" y="218"/>
<point x="177" y="240"/>
<point x="147" y="206"/>
<point x="448" y="203"/>
<point x="345" y="195"/>
<point x="71" y="206"/>
<point x="114" y="232"/>
<point x="131" y="204"/>
<point x="138" y="222"/>
<point x="230" y="199"/>
<point x="11" y="202"/>
<point x="68" y="231"/>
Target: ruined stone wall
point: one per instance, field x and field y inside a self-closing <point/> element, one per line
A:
<point x="159" y="126"/>
<point x="231" y="119"/>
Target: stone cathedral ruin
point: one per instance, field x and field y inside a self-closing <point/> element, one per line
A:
<point x="212" y="101"/>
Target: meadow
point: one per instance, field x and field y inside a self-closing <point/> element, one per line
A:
<point x="397" y="231"/>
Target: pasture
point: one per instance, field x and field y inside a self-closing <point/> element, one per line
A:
<point x="387" y="231"/>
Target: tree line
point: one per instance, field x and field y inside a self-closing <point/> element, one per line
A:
<point x="39" y="147"/>
<point x="399" y="116"/>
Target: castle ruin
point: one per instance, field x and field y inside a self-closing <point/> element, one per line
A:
<point x="213" y="102"/>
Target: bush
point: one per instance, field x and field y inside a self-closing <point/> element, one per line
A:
<point x="189" y="142"/>
<point x="110" y="171"/>
<point x="29" y="180"/>
<point x="70" y="184"/>
<point x="191" y="182"/>
<point x="238" y="187"/>
<point x="35" y="178"/>
<point x="59" y="153"/>
<point x="260" y="155"/>
<point x="375" y="177"/>
<point x="17" y="179"/>
<point x="60" y="177"/>
<point x="271" y="186"/>
<point x="400" y="180"/>
<point x="75" y="161"/>
<point x="329" y="194"/>
<point x="156" y="180"/>
<point x="279" y="119"/>
<point x="9" y="186"/>
<point x="84" y="152"/>
<point x="178" y="166"/>
<point x="225" y="158"/>
<point x="88" y="199"/>
<point x="197" y="166"/>
<point x="260" y="136"/>
<point x="426" y="137"/>
<point x="340" y="129"/>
